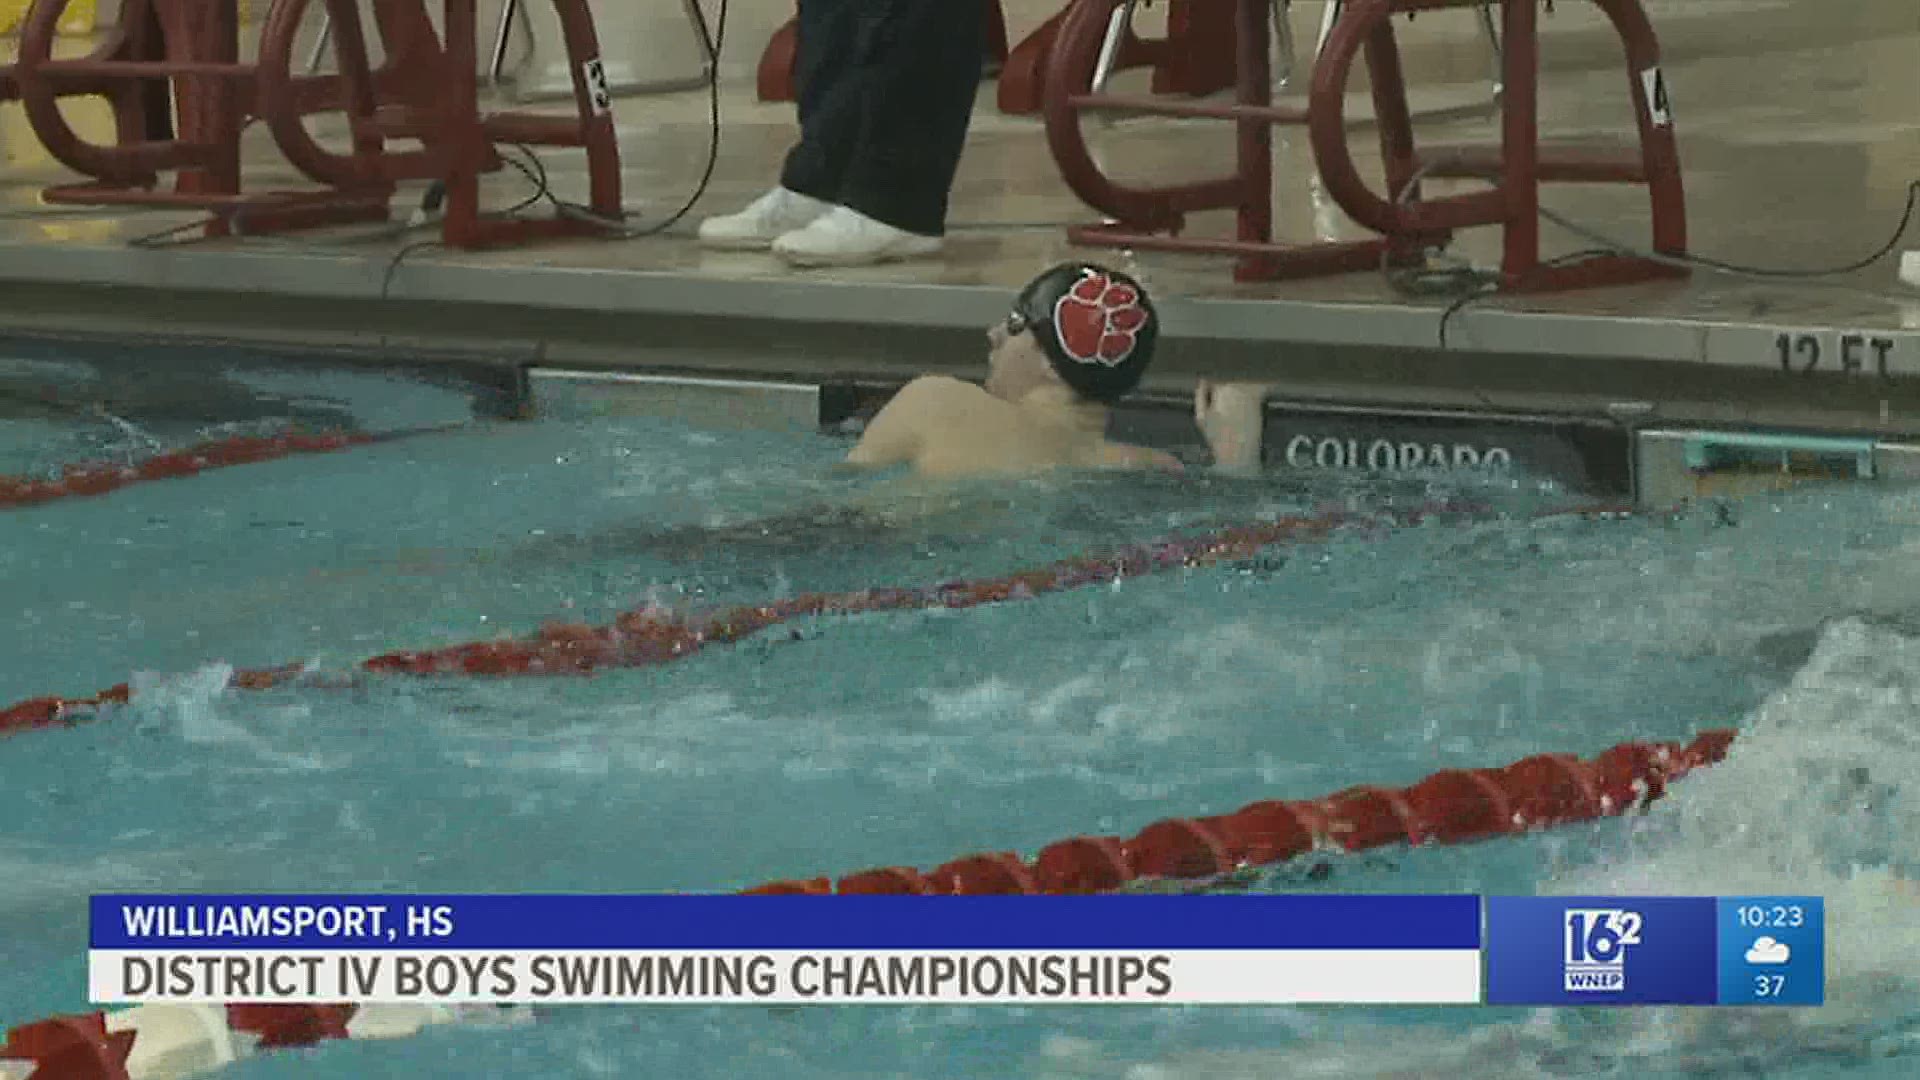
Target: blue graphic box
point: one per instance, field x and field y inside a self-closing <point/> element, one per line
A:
<point x="1773" y="950"/>
<point x="1611" y="950"/>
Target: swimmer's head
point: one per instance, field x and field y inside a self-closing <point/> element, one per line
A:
<point x="1086" y="326"/>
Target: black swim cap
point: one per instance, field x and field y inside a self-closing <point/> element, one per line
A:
<point x="1096" y="325"/>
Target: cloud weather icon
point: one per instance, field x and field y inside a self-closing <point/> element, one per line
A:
<point x="1768" y="951"/>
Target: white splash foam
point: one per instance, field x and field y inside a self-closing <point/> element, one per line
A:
<point x="1820" y="795"/>
<point x="198" y="708"/>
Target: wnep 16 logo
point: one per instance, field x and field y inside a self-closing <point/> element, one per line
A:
<point x="1601" y="950"/>
<point x="1596" y="943"/>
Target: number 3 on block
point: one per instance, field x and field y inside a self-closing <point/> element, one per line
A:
<point x="1847" y="352"/>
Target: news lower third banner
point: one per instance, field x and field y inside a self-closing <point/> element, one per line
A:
<point x="1189" y="949"/>
<point x="787" y="949"/>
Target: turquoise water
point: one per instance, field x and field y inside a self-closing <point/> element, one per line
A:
<point x="910" y="738"/>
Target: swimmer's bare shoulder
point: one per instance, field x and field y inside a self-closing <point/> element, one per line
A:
<point x="899" y="431"/>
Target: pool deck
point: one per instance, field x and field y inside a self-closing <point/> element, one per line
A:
<point x="1798" y="134"/>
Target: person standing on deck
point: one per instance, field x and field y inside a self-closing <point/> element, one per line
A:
<point x="886" y="91"/>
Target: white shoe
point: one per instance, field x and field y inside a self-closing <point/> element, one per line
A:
<point x="843" y="237"/>
<point x="770" y="216"/>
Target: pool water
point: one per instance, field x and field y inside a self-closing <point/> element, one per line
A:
<point x="842" y="743"/>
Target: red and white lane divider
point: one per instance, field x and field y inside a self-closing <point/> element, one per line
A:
<point x="97" y="478"/>
<point x="164" y="1042"/>
<point x="1449" y="807"/>
<point x="649" y="637"/>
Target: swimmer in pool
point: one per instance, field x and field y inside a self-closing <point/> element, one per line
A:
<point x="1078" y="340"/>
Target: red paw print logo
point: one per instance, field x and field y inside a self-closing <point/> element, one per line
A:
<point x="1099" y="320"/>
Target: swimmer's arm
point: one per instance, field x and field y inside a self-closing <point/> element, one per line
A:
<point x="1237" y="460"/>
<point x="1229" y="416"/>
<point x="1124" y="456"/>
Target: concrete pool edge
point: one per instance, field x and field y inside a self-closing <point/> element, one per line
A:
<point x="284" y="271"/>
<point x="816" y="343"/>
<point x="1372" y="408"/>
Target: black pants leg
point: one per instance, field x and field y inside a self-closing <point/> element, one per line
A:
<point x="828" y="86"/>
<point x="886" y="95"/>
